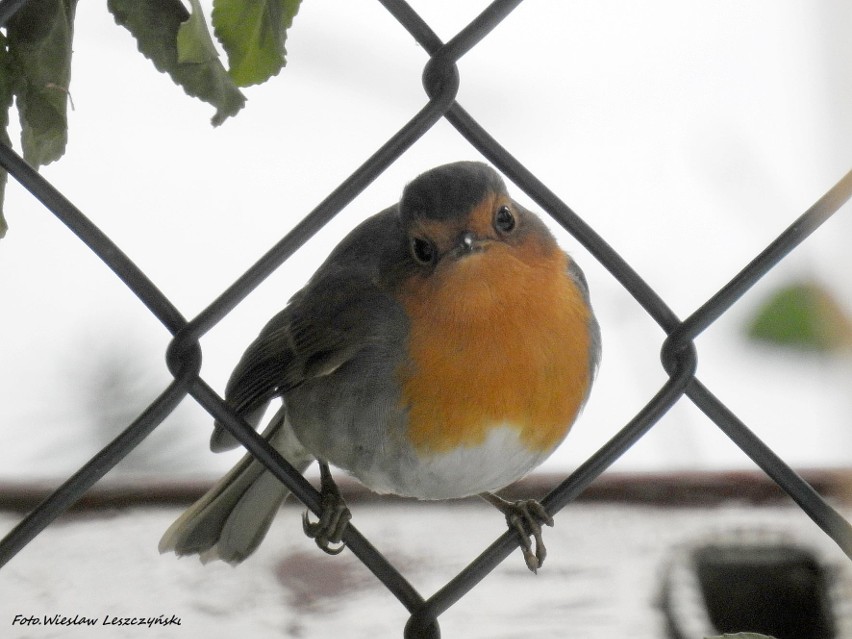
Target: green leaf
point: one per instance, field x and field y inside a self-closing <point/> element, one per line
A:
<point x="804" y="316"/>
<point x="39" y="36"/>
<point x="253" y="33"/>
<point x="156" y="24"/>
<point x="194" y="44"/>
<point x="8" y="73"/>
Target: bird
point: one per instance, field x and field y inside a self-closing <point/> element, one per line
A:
<point x="443" y="350"/>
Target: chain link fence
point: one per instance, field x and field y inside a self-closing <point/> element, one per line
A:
<point x="441" y="83"/>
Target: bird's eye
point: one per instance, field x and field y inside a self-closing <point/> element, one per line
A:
<point x="423" y="250"/>
<point x="504" y="221"/>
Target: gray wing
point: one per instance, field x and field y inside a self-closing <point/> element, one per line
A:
<point x="576" y="274"/>
<point x="342" y="310"/>
<point x="321" y="329"/>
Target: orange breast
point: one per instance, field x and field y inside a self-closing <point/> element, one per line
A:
<point x="498" y="338"/>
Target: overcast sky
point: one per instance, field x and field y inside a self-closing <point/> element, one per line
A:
<point x="688" y="134"/>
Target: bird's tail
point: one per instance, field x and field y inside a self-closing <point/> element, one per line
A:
<point x="233" y="517"/>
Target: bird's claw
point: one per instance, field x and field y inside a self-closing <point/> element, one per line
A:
<point x="526" y="517"/>
<point x="328" y="530"/>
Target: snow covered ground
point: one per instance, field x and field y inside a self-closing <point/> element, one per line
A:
<point x="601" y="578"/>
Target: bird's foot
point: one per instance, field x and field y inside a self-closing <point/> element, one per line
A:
<point x="328" y="531"/>
<point x="525" y="517"/>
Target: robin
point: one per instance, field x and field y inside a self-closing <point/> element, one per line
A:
<point x="442" y="350"/>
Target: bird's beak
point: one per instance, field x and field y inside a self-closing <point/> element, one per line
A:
<point x="468" y="244"/>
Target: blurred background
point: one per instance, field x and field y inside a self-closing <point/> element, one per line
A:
<point x="688" y="134"/>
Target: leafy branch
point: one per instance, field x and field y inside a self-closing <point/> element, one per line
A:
<point x="36" y="47"/>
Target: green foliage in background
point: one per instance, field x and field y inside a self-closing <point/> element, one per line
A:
<point x="36" y="47"/>
<point x="802" y="316"/>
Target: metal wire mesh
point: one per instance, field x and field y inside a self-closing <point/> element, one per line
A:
<point x="441" y="83"/>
